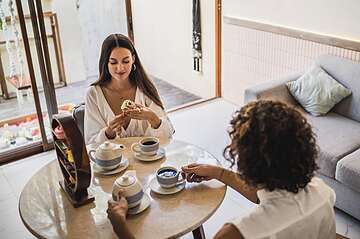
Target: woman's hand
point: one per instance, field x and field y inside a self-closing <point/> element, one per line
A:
<point x="144" y="113"/>
<point x="115" y="125"/>
<point x="201" y="172"/>
<point x="117" y="211"/>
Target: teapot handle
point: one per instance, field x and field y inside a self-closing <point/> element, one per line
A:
<point x="91" y="155"/>
<point x="121" y="146"/>
<point x="135" y="147"/>
<point x="182" y="178"/>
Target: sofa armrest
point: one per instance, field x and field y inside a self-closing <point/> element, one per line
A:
<point x="272" y="90"/>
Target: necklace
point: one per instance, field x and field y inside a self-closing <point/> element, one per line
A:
<point x="122" y="94"/>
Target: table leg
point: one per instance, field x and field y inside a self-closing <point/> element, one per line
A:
<point x="199" y="233"/>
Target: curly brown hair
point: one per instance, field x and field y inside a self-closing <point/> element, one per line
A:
<point x="273" y="146"/>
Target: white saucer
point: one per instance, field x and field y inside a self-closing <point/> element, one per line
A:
<point x="145" y="203"/>
<point x="160" y="154"/>
<point x="156" y="188"/>
<point x="123" y="165"/>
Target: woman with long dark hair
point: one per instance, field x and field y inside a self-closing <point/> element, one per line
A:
<point x="121" y="78"/>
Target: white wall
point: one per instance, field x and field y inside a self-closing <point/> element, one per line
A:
<point x="71" y="39"/>
<point x="331" y="17"/>
<point x="163" y="39"/>
<point x="243" y="62"/>
<point x="98" y="19"/>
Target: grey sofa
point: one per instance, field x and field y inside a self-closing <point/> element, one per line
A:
<point x="338" y="132"/>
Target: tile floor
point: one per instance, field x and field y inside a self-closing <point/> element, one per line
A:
<point x="207" y="130"/>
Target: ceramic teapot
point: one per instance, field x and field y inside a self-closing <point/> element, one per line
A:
<point x="108" y="155"/>
<point x="131" y="187"/>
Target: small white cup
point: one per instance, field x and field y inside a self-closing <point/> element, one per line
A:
<point x="168" y="177"/>
<point x="147" y="146"/>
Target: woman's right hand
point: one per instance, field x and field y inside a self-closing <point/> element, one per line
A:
<point x="116" y="125"/>
<point x="201" y="172"/>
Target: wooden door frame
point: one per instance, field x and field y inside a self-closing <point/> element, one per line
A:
<point x="129" y="19"/>
<point x="218" y="17"/>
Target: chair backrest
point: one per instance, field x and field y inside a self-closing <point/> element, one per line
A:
<point x="346" y="72"/>
<point x="78" y="114"/>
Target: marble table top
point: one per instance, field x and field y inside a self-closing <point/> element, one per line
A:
<point x="47" y="213"/>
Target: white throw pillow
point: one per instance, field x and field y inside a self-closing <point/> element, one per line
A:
<point x="317" y="91"/>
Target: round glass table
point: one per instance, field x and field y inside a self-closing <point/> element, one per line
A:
<point x="47" y="213"/>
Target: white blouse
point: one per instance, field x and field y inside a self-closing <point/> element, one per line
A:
<point x="98" y="114"/>
<point x="282" y="214"/>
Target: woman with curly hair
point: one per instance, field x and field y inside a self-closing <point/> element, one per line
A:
<point x="274" y="149"/>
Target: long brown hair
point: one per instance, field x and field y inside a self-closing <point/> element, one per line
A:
<point x="137" y="77"/>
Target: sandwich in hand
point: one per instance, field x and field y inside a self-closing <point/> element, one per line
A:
<point x="128" y="105"/>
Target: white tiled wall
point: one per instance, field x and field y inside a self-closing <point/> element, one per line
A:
<point x="250" y="57"/>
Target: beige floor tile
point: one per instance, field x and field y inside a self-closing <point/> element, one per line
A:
<point x="5" y="188"/>
<point x="346" y="225"/>
<point x="18" y="173"/>
<point x="11" y="224"/>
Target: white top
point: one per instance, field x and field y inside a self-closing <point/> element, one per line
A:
<point x="282" y="215"/>
<point x="98" y="114"/>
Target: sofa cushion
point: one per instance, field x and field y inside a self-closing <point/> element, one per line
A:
<point x="347" y="73"/>
<point x="348" y="170"/>
<point x="337" y="136"/>
<point x="317" y="91"/>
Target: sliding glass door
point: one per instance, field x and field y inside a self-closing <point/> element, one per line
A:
<point x="30" y="68"/>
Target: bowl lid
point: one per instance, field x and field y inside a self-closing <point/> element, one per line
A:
<point x="125" y="180"/>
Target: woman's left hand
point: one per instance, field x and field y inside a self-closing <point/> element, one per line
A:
<point x="144" y="113"/>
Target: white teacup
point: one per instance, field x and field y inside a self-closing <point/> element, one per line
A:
<point x="147" y="146"/>
<point x="168" y="177"/>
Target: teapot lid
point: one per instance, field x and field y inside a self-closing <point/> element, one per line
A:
<point x="125" y="180"/>
<point x="106" y="146"/>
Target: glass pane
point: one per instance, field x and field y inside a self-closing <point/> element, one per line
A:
<point x="19" y="123"/>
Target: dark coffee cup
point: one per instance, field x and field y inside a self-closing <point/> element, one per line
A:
<point x="147" y="146"/>
<point x="168" y="177"/>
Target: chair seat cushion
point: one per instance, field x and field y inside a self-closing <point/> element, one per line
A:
<point x="348" y="170"/>
<point x="337" y="136"/>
